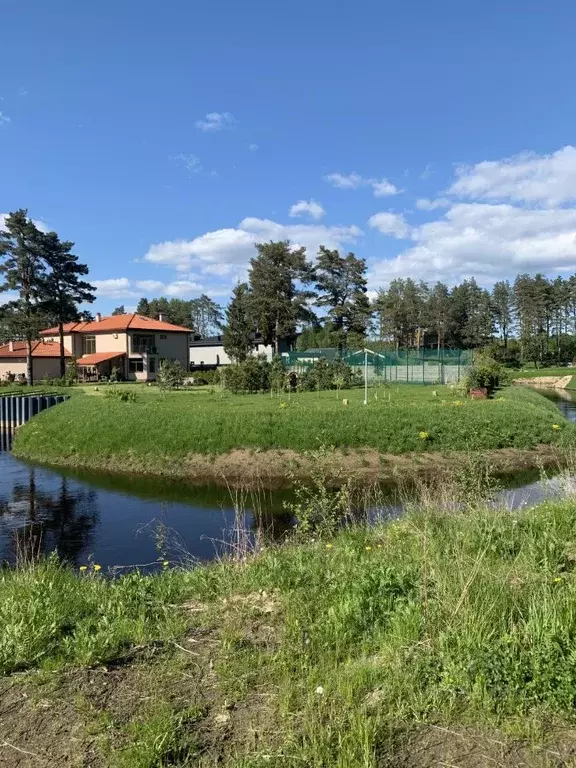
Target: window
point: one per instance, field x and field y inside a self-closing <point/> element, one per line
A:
<point x="152" y="365"/>
<point x="88" y="345"/>
<point x="136" y="365"/>
<point x="143" y="344"/>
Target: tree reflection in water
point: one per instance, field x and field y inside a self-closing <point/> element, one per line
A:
<point x="43" y="521"/>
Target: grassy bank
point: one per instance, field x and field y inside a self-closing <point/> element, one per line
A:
<point x="180" y="433"/>
<point x="440" y="639"/>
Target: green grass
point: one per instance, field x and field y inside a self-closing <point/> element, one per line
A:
<point x="159" y="430"/>
<point x="328" y="654"/>
<point x="531" y="373"/>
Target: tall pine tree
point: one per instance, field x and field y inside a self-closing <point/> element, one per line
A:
<point x="237" y="339"/>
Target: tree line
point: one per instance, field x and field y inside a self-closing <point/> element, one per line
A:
<point x="324" y="303"/>
<point x="47" y="280"/>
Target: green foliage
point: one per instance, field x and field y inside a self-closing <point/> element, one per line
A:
<point x="237" y="339"/>
<point x="170" y="374"/>
<point x="252" y="375"/>
<point x="329" y="374"/>
<point x="485" y="373"/>
<point x="121" y="395"/>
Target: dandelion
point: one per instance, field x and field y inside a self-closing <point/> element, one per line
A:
<point x="165" y="564"/>
<point x="329" y="546"/>
<point x="423" y="435"/>
<point x="557" y="580"/>
<point x="555" y="426"/>
<point x="97" y="567"/>
<point x="320" y="690"/>
<point x="368" y="548"/>
<point x="83" y="568"/>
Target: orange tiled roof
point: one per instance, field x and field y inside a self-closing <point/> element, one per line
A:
<point x="99" y="357"/>
<point x="39" y="349"/>
<point x="131" y="322"/>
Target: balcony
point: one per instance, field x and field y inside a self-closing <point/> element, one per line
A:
<point x="144" y="349"/>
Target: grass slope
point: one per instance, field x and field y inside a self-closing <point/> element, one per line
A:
<point x="88" y="431"/>
<point x="341" y="653"/>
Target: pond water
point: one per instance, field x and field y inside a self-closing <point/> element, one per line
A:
<point x="125" y="522"/>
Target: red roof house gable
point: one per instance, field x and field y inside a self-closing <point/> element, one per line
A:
<point x="132" y="322"/>
<point x="39" y="349"/>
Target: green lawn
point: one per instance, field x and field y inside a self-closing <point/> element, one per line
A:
<point x="532" y="373"/>
<point x="440" y="635"/>
<point x="160" y="428"/>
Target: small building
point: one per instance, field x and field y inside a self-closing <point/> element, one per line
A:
<point x="133" y="344"/>
<point x="207" y="353"/>
<point x="45" y="356"/>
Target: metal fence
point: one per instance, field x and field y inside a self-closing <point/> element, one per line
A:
<point x="405" y="366"/>
<point x="16" y="409"/>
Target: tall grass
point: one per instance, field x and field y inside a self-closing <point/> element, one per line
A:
<point x="456" y="614"/>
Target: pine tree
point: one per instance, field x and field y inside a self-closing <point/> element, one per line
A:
<point x="341" y="281"/>
<point x="206" y="315"/>
<point x="121" y="310"/>
<point x="143" y="307"/>
<point x="503" y="308"/>
<point x="278" y="305"/>
<point x="237" y="340"/>
<point x="22" y="270"/>
<point x="439" y="313"/>
<point x="65" y="288"/>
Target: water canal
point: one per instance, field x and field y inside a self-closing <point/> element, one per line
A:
<point x="133" y="521"/>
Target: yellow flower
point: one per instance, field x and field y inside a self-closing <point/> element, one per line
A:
<point x="557" y="580"/>
<point x="83" y="567"/>
<point x="97" y="567"/>
<point x="555" y="426"/>
<point x="329" y="546"/>
<point x="423" y="435"/>
<point x="368" y="549"/>
<point x="165" y="564"/>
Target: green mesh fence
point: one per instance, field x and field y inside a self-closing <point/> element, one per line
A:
<point x="405" y="366"/>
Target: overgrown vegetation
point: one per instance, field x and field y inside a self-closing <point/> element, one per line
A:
<point x="339" y="652"/>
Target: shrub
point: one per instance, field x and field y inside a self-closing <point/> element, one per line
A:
<point x="170" y="374"/>
<point x="252" y="375"/>
<point x="485" y="373"/>
<point x="123" y="395"/>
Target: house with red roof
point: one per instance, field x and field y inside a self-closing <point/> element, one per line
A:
<point x="133" y="344"/>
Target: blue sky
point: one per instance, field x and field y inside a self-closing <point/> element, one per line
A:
<point x="433" y="139"/>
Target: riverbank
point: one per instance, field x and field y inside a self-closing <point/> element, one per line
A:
<point x="440" y="639"/>
<point x="211" y="436"/>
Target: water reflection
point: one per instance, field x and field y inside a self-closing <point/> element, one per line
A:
<point x="36" y="520"/>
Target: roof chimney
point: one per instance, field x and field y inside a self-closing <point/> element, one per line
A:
<point x="11" y="346"/>
<point x="161" y="317"/>
<point x="98" y="317"/>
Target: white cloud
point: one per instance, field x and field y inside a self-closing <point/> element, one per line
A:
<point x="384" y="188"/>
<point x="4" y="119"/>
<point x="488" y="241"/>
<point x="216" y="121"/>
<point x="311" y="207"/>
<point x="427" y="172"/>
<point x="253" y="147"/>
<point x="114" y="288"/>
<point x="430" y="205"/>
<point x="150" y="286"/>
<point x="528" y="177"/>
<point x="390" y="224"/>
<point x="225" y="251"/>
<point x="190" y="162"/>
<point x="351" y="181"/>
<point x="380" y="187"/>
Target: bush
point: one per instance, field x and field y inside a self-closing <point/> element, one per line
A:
<point x="123" y="395"/>
<point x="485" y="373"/>
<point x="326" y="374"/>
<point x="253" y="375"/>
<point x="170" y="375"/>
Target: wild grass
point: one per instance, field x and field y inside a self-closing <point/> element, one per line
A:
<point x="531" y="373"/>
<point x="158" y="428"/>
<point x="341" y="645"/>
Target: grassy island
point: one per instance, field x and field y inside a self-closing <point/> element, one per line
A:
<point x="207" y="434"/>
